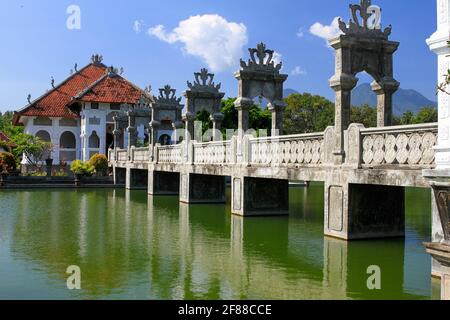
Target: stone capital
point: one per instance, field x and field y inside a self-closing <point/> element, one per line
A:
<point x="343" y="82"/>
<point x="155" y="124"/>
<point x="218" y="117"/>
<point x="189" y="116"/>
<point x="386" y="85"/>
<point x="243" y="103"/>
<point x="277" y="105"/>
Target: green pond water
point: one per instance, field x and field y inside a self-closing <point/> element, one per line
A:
<point x="132" y="246"/>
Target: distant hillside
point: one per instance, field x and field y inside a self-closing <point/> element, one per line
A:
<point x="288" y="92"/>
<point x="404" y="100"/>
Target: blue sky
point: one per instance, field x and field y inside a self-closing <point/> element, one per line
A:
<point x="36" y="43"/>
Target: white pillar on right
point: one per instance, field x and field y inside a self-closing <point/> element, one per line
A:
<point x="438" y="43"/>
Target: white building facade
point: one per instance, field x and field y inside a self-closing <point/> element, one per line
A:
<point x="76" y="116"/>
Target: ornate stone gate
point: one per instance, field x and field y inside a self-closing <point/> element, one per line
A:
<point x="363" y="46"/>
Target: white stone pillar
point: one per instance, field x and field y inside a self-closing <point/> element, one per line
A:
<point x="438" y="43"/>
<point x="440" y="177"/>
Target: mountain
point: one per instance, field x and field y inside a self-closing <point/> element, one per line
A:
<point x="288" y="92"/>
<point x="403" y="100"/>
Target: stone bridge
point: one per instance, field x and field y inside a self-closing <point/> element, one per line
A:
<point x="364" y="196"/>
<point x="364" y="170"/>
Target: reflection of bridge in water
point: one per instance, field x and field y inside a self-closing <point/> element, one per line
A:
<point x="120" y="239"/>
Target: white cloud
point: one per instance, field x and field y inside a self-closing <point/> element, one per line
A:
<point x="137" y="26"/>
<point x="212" y="38"/>
<point x="276" y="58"/>
<point x="326" y="32"/>
<point x="298" y="71"/>
<point x="300" y="33"/>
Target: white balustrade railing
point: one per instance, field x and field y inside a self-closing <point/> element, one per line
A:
<point x="217" y="152"/>
<point x="303" y="149"/>
<point x="111" y="156"/>
<point x="411" y="145"/>
<point x="398" y="146"/>
<point x="169" y="154"/>
<point x="140" y="155"/>
<point x="122" y="155"/>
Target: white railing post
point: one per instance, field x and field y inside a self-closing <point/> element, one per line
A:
<point x="354" y="148"/>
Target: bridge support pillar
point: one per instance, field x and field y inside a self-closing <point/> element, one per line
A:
<point x="136" y="179"/>
<point x="364" y="211"/>
<point x="119" y="175"/>
<point x="163" y="183"/>
<point x="259" y="197"/>
<point x="197" y="188"/>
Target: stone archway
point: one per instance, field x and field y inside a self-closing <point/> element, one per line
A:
<point x="166" y="115"/>
<point x="363" y="46"/>
<point x="261" y="77"/>
<point x="204" y="94"/>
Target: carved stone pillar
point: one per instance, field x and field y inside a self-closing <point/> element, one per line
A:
<point x="217" y="120"/>
<point x="177" y="127"/>
<point x="277" y="109"/>
<point x="384" y="91"/>
<point x="154" y="126"/>
<point x="131" y="130"/>
<point x="190" y="130"/>
<point x="440" y="177"/>
<point x="243" y="106"/>
<point x="342" y="85"/>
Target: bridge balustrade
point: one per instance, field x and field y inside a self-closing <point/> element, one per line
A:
<point x="303" y="149"/>
<point x="401" y="147"/>
<point x="213" y="153"/>
<point x="169" y="154"/>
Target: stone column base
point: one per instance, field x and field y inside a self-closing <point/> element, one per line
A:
<point x="163" y="183"/>
<point x="355" y="212"/>
<point x="259" y="197"/>
<point x="136" y="179"/>
<point x="440" y="182"/>
<point x="196" y="188"/>
<point x="441" y="253"/>
<point x="119" y="175"/>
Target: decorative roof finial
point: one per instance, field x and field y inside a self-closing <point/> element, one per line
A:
<point x="29" y="98"/>
<point x="97" y="59"/>
<point x="53" y="83"/>
<point x="370" y="24"/>
<point x="261" y="59"/>
<point x="167" y="95"/>
<point x="76" y="67"/>
<point x="111" y="71"/>
<point x="204" y="81"/>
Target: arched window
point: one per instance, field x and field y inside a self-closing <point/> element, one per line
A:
<point x="43" y="135"/>
<point x="165" y="140"/>
<point x="67" y="141"/>
<point x="94" y="141"/>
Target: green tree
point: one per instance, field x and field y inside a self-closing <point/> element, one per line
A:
<point x="258" y="118"/>
<point x="365" y="115"/>
<point x="426" y="115"/>
<point x="306" y="113"/>
<point x="31" y="148"/>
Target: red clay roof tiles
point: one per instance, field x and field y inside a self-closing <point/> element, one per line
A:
<point x="90" y="84"/>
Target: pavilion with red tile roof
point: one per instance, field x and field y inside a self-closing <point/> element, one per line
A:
<point x="76" y="115"/>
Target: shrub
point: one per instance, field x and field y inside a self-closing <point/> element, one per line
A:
<point x="5" y="146"/>
<point x="100" y="163"/>
<point x="7" y="162"/>
<point x="82" y="168"/>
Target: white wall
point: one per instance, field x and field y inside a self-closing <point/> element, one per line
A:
<point x="55" y="131"/>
